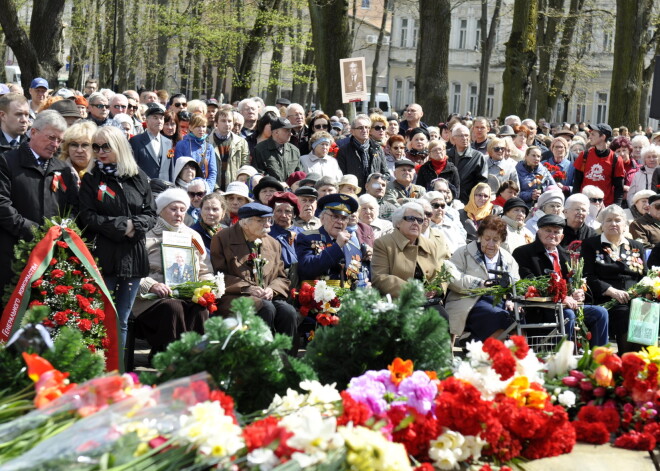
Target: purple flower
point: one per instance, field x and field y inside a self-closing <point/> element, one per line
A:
<point x="419" y="390"/>
<point x="370" y="389"/>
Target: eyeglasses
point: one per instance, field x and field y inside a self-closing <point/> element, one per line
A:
<point x="101" y="149"/>
<point x="262" y="221"/>
<point x="439" y="205"/>
<point x="362" y="128"/>
<point x="54" y="139"/>
<point x="413" y="219"/>
<point x="179" y="105"/>
<point x="378" y="128"/>
<point x="483" y="195"/>
<point x="196" y="194"/>
<point x="81" y="145"/>
<point x="337" y="217"/>
<point x="499" y="149"/>
<point x="428" y="215"/>
<point x="321" y="126"/>
<point x="120" y="107"/>
<point x="596" y="200"/>
<point x="133" y="107"/>
<point x="100" y="106"/>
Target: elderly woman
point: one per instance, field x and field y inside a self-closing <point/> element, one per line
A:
<point x="476" y="210"/>
<point x="623" y="149"/>
<point x="453" y="231"/>
<point x="643" y="179"/>
<point x="236" y="196"/>
<point x="197" y="189"/>
<point x="378" y="131"/>
<point x="499" y="169"/>
<point x="77" y="146"/>
<point x="533" y="177"/>
<point x="514" y="213"/>
<point x="395" y="149"/>
<point x="117" y="210"/>
<point x="451" y="192"/>
<point x="638" y="143"/>
<point x="266" y="188"/>
<point x="640" y="205"/>
<point x="212" y="211"/>
<point x="596" y="204"/>
<point x="434" y="133"/>
<point x="368" y="214"/>
<point x="550" y="202"/>
<point x="163" y="320"/>
<point x="417" y="148"/>
<point x="522" y="134"/>
<point x="559" y="149"/>
<point x="474" y="262"/>
<point x="613" y="264"/>
<point x="403" y="254"/>
<point x="318" y="160"/>
<point x="438" y="166"/>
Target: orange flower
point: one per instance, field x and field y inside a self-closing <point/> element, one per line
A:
<point x="603" y="376"/>
<point x="49" y="382"/>
<point x="37" y="366"/>
<point x="400" y="369"/>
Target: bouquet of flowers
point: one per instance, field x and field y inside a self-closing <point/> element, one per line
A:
<point x="648" y="287"/>
<point x="555" y="171"/>
<point x="204" y="292"/>
<point x="321" y="301"/>
<point x="257" y="263"/>
<point x="552" y="286"/>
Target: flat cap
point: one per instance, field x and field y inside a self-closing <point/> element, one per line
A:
<point x="551" y="220"/>
<point x="255" y="210"/>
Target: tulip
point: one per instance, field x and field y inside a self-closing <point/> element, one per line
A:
<point x="586" y="385"/>
<point x="578" y="374"/>
<point x="600" y="354"/>
<point x="603" y="376"/>
<point x="600" y="391"/>
<point x="621" y="391"/>
<point x="570" y="381"/>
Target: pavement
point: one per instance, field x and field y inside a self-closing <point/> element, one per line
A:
<point x="594" y="458"/>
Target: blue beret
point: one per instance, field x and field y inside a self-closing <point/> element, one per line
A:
<point x="255" y="209"/>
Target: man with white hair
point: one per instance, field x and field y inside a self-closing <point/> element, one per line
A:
<point x="300" y="132"/>
<point x="472" y="165"/>
<point x="249" y="109"/>
<point x="118" y="104"/>
<point x="512" y="120"/>
<point x="576" y="210"/>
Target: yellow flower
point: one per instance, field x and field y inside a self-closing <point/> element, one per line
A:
<point x="141" y="449"/>
<point x="520" y="389"/>
<point x="651" y="354"/>
<point x="656" y="288"/>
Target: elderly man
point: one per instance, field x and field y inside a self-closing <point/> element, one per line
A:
<point x="231" y="150"/>
<point x="249" y="109"/>
<point x="276" y="156"/>
<point x="331" y="251"/>
<point x="232" y="252"/>
<point x="402" y="186"/>
<point x="376" y="186"/>
<point x="412" y="118"/>
<point x="34" y="186"/>
<point x="545" y="255"/>
<point x="118" y="104"/>
<point x="38" y="92"/>
<point x="99" y="111"/>
<point x="472" y="165"/>
<point x="307" y="197"/>
<point x="148" y="96"/>
<point x="14" y="121"/>
<point x="300" y="132"/>
<point x="646" y="228"/>
<point x="151" y="149"/>
<point x="285" y="208"/>
<point x="576" y="209"/>
<point x="480" y="130"/>
<point x="532" y="140"/>
<point x="359" y="155"/>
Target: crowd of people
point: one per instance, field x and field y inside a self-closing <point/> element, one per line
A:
<point x="274" y="196"/>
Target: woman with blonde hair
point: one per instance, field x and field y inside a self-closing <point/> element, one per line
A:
<point x="117" y="210"/>
<point x="195" y="145"/>
<point x="476" y="210"/>
<point x="378" y="130"/>
<point x="77" y="146"/>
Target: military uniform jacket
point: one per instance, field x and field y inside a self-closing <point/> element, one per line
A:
<point x="319" y="256"/>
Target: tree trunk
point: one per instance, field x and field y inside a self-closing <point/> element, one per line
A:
<point x="487" y="45"/>
<point x="547" y="25"/>
<point x="431" y="78"/>
<point x="647" y="77"/>
<point x="331" y="38"/>
<point x="275" y="73"/>
<point x="38" y="54"/>
<point x="379" y="45"/>
<point x="159" y="72"/>
<point x="632" y="21"/>
<point x="122" y="48"/>
<point x="79" y="38"/>
<point x="520" y="57"/>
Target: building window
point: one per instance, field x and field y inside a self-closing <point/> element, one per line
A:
<point x="365" y="4"/>
<point x="601" y="107"/>
<point x="580" y="106"/>
<point x="462" y="34"/>
<point x="477" y="36"/>
<point x="415" y="33"/>
<point x="398" y="93"/>
<point x="473" y="99"/>
<point x="404" y="33"/>
<point x="455" y="97"/>
<point x="607" y="41"/>
<point x="559" y="109"/>
<point x="411" y="91"/>
<point x="490" y="101"/>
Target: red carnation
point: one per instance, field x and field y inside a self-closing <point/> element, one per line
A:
<point x="589" y="432"/>
<point x="48" y="323"/>
<point x="35" y="303"/>
<point x="37" y="283"/>
<point x="53" y="261"/>
<point x="84" y="325"/>
<point x="265" y="432"/>
<point x="75" y="260"/>
<point x="355" y="412"/>
<point x="77" y="272"/>
<point x="520" y="346"/>
<point x="90" y="288"/>
<point x="105" y="343"/>
<point x="61" y="318"/>
<point x="61" y="243"/>
<point x="503" y="361"/>
<point x="636" y="441"/>
<point x="426" y="467"/>
<point x="335" y="302"/>
<point x="100" y="315"/>
<point x="92" y="348"/>
<point x="61" y="289"/>
<point x="57" y="274"/>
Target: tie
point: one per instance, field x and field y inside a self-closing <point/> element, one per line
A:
<point x="555" y="262"/>
<point x="14" y="143"/>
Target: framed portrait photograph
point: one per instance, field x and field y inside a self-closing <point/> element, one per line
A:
<point x="353" y="79"/>
<point x="178" y="264"/>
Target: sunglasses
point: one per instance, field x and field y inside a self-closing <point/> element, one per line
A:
<point x="438" y="205"/>
<point x="101" y="107"/>
<point x="378" y="128"/>
<point x="133" y="107"/>
<point x="498" y="149"/>
<point x="321" y="126"/>
<point x="196" y="194"/>
<point x="179" y="105"/>
<point x="103" y="148"/>
<point x="428" y="215"/>
<point x="596" y="200"/>
<point x="120" y="107"/>
<point x="413" y="219"/>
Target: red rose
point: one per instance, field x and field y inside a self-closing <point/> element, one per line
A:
<point x="61" y="318"/>
<point x="77" y="272"/>
<point x="35" y="303"/>
<point x="84" y="325"/>
<point x="57" y="274"/>
<point x="48" y="323"/>
<point x="44" y="293"/>
<point x="100" y="314"/>
<point x="61" y="243"/>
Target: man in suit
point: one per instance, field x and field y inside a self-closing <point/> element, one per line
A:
<point x="276" y="156"/>
<point x="353" y="79"/>
<point x="152" y="151"/>
<point x="472" y="165"/>
<point x="34" y="186"/>
<point x="546" y="255"/>
<point x="180" y="271"/>
<point x="231" y="254"/>
<point x="14" y="121"/>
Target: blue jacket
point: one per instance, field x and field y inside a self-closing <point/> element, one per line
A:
<point x="526" y="178"/>
<point x="283" y="236"/>
<point x="190" y="146"/>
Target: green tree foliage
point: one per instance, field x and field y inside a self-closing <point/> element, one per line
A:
<point x="372" y="332"/>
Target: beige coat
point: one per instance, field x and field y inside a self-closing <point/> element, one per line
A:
<point x="395" y="258"/>
<point x="239" y="156"/>
<point x="155" y="254"/>
<point x="473" y="272"/>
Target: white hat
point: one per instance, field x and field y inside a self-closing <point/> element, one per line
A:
<point x="550" y="196"/>
<point x="642" y="194"/>
<point x="350" y="180"/>
<point x="248" y="170"/>
<point x="169" y="196"/>
<point x="238" y="188"/>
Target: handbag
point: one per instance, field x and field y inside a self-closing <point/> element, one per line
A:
<point x="644" y="322"/>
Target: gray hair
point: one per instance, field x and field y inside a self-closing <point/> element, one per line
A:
<point x="397" y="215"/>
<point x="430" y="129"/>
<point x="96" y="96"/>
<point x="459" y="127"/>
<point x="592" y="191"/>
<point x="361" y="117"/>
<point x="245" y="101"/>
<point x="295" y="106"/>
<point x="613" y="209"/>
<point x="198" y="181"/>
<point x="433" y="195"/>
<point x="511" y="119"/>
<point x="650" y="149"/>
<point x="367" y="199"/>
<point x="49" y="118"/>
<point x="576" y="198"/>
<point x="641" y="138"/>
